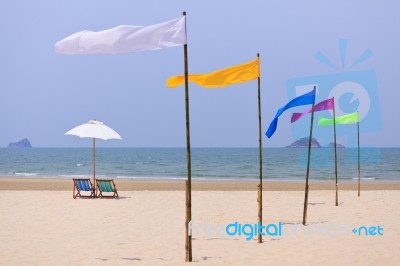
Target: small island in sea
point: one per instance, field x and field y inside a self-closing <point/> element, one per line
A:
<point x="24" y="143"/>
<point x="330" y="145"/>
<point x="303" y="143"/>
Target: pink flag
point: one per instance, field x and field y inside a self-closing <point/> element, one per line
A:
<point x="321" y="106"/>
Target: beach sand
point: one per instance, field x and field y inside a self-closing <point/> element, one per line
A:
<point x="42" y="225"/>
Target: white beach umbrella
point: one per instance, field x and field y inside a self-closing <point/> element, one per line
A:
<point x="96" y="130"/>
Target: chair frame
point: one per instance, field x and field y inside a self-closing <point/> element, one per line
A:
<point x="78" y="191"/>
<point x="100" y="190"/>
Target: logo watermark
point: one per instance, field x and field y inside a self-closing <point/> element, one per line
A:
<point x="282" y="230"/>
<point x="251" y="230"/>
<point x="368" y="230"/>
<point x="353" y="90"/>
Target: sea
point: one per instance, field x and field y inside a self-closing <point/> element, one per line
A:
<point x="219" y="164"/>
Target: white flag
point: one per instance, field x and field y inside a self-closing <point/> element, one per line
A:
<point x="125" y="39"/>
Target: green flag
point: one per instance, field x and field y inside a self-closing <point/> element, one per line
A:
<point x="344" y="119"/>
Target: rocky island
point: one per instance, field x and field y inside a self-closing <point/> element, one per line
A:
<point x="330" y="145"/>
<point x="303" y="143"/>
<point x="24" y="143"/>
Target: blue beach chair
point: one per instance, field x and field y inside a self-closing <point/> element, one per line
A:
<point x="106" y="186"/>
<point x="83" y="185"/>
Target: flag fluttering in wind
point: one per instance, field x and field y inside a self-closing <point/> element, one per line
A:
<point x="321" y="106"/>
<point x="305" y="99"/>
<point x="344" y="119"/>
<point x="244" y="72"/>
<point x="328" y="104"/>
<point x="352" y="118"/>
<point x="125" y="39"/>
<point x="221" y="78"/>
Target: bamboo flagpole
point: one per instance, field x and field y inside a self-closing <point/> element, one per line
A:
<point x="220" y="78"/>
<point x="351" y="118"/>
<point x="260" y="155"/>
<point x="137" y="39"/>
<point x="335" y="154"/>
<point x="94" y="167"/>
<point x="328" y="104"/>
<point x="358" y="142"/>
<point x="188" y="222"/>
<point x="308" y="165"/>
<point x="305" y="99"/>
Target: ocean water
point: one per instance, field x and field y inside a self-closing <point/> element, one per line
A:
<point x="207" y="163"/>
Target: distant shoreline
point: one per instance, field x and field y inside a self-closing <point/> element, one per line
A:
<point x="66" y="184"/>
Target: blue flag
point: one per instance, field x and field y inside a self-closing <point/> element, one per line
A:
<point x="305" y="99"/>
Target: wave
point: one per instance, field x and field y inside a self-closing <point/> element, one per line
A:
<point x="25" y="174"/>
<point x="183" y="178"/>
<point x="75" y="176"/>
<point x="151" y="177"/>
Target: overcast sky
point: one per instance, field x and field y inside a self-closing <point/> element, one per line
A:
<point x="44" y="94"/>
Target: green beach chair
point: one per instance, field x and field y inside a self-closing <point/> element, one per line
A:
<point x="82" y="185"/>
<point x="108" y="187"/>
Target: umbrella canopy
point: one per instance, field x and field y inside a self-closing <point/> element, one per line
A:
<point x="96" y="130"/>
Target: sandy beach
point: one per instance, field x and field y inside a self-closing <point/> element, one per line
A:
<point x="42" y="225"/>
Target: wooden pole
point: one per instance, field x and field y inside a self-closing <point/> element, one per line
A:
<point x="94" y="167"/>
<point x="308" y="166"/>
<point x="358" y="142"/>
<point x="188" y="237"/>
<point x="260" y="154"/>
<point x="335" y="154"/>
<point x="188" y="226"/>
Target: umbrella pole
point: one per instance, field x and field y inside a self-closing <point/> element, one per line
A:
<point x="94" y="167"/>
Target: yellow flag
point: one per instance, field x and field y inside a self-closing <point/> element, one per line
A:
<point x="221" y="78"/>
